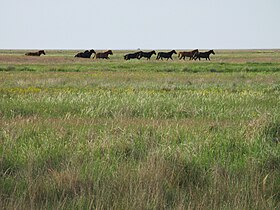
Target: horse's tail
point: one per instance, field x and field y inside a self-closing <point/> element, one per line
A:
<point x="180" y="54"/>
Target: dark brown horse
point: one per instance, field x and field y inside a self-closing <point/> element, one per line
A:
<point x="104" y="55"/>
<point x="205" y="55"/>
<point x="189" y="54"/>
<point x="86" y="54"/>
<point x="40" y="52"/>
<point x="147" y="55"/>
<point x="166" y="55"/>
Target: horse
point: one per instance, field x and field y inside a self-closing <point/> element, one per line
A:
<point x="104" y="55"/>
<point x="133" y="55"/>
<point x="167" y="55"/>
<point x="86" y="54"/>
<point x="204" y="55"/>
<point x="40" y="52"/>
<point x="80" y="54"/>
<point x="147" y="55"/>
<point x="185" y="54"/>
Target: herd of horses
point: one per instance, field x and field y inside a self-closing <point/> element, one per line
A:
<point x="192" y="55"/>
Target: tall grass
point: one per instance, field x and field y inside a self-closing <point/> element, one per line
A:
<point x="139" y="140"/>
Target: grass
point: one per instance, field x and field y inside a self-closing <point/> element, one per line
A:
<point x="139" y="134"/>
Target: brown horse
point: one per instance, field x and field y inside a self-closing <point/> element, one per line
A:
<point x="185" y="54"/>
<point x="40" y="52"/>
<point x="104" y="55"/>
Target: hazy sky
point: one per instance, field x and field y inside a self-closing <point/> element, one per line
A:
<point x="145" y="24"/>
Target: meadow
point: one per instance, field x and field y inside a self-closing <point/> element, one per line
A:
<point x="114" y="134"/>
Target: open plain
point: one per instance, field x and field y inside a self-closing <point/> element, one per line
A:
<point x="113" y="134"/>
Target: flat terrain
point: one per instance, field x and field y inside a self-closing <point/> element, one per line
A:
<point x="115" y="134"/>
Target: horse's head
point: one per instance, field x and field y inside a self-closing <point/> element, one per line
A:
<point x="173" y="51"/>
<point x="195" y="52"/>
<point x="212" y="51"/>
<point x="153" y="52"/>
<point x="139" y="54"/>
<point x="42" y="52"/>
<point x="92" y="51"/>
<point x="110" y="52"/>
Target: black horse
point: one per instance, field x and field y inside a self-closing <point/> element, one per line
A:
<point x="166" y="55"/>
<point x="147" y="55"/>
<point x="133" y="55"/>
<point x="204" y="55"/>
<point x="86" y="54"/>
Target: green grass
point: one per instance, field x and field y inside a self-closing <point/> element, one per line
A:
<point x="153" y="66"/>
<point x="140" y="134"/>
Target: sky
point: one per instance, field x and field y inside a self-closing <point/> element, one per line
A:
<point x="144" y="24"/>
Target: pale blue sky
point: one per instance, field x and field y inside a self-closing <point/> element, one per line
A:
<point x="145" y="24"/>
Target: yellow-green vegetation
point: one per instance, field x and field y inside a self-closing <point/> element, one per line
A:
<point x="115" y="134"/>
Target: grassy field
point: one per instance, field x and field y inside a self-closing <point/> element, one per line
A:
<point x="116" y="134"/>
